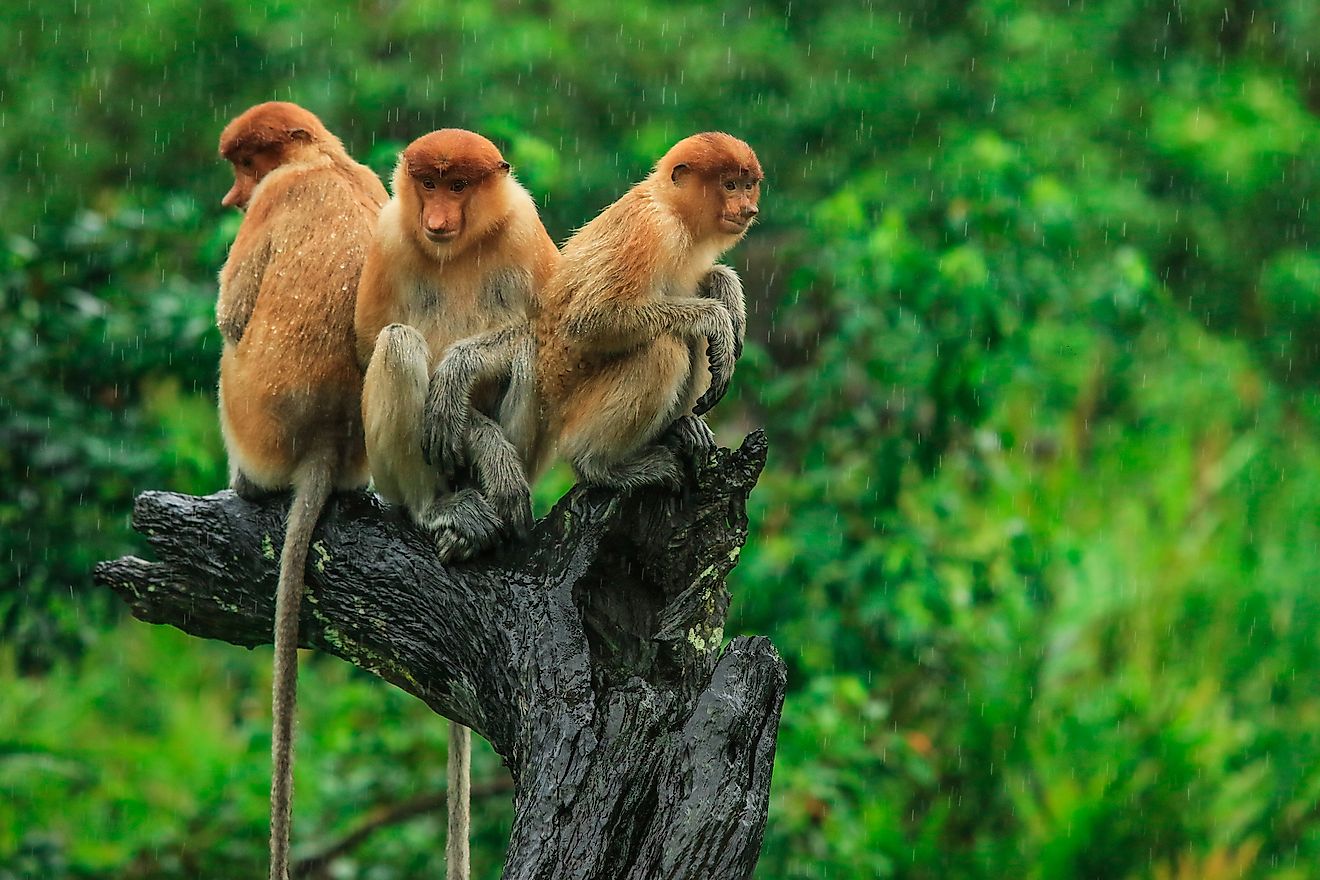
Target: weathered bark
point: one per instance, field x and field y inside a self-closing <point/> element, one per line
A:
<point x="588" y="656"/>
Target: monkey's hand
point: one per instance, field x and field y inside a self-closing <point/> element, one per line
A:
<point x="723" y="284"/>
<point x="720" y="347"/>
<point x="445" y="427"/>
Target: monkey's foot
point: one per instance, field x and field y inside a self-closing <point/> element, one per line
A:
<point x="692" y="437"/>
<point x="514" y="510"/>
<point x="464" y="525"/>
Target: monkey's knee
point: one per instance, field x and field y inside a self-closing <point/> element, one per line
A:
<point x="400" y="351"/>
<point x="393" y="397"/>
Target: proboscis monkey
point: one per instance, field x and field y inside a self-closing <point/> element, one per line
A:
<point x="639" y="328"/>
<point x="459" y="250"/>
<point x="290" y="385"/>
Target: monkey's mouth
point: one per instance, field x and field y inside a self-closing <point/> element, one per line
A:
<point x="442" y="237"/>
<point x="736" y="223"/>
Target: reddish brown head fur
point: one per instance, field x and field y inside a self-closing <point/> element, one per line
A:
<point x="711" y="154"/>
<point x="270" y="126"/>
<point x="453" y="154"/>
<point x="713" y="182"/>
<point x="442" y="179"/>
<point x="262" y="138"/>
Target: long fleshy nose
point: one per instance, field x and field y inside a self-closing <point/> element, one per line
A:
<point x="233" y="198"/>
<point x="749" y="210"/>
<point x="437" y="225"/>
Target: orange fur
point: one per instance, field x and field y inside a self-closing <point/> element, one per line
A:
<point x="290" y="384"/>
<point x="483" y="270"/>
<point x="619" y="356"/>
<point x="287" y="372"/>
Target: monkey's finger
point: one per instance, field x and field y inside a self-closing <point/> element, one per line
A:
<point x="713" y="395"/>
<point x="446" y="545"/>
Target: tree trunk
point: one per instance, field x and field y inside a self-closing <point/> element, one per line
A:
<point x="589" y="656"/>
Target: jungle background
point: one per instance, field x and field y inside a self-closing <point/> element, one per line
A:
<point x="1035" y="331"/>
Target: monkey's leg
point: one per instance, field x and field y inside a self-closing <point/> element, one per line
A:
<point x="486" y="356"/>
<point x="723" y="284"/>
<point x="615" y="417"/>
<point x="500" y="473"/>
<point x="393" y="396"/>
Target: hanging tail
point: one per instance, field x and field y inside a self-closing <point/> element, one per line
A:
<point x="458" y="858"/>
<point x="311" y="488"/>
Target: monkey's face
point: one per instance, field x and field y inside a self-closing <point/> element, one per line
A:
<point x="456" y="207"/>
<point x="249" y="169"/>
<point x="718" y="203"/>
<point x="447" y="181"/>
<point x="443" y="201"/>
<point x="738" y="197"/>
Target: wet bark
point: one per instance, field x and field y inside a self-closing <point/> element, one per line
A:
<point x="589" y="656"/>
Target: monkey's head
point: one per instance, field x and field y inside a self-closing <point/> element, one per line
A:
<point x="713" y="182"/>
<point x="264" y="137"/>
<point x="452" y="183"/>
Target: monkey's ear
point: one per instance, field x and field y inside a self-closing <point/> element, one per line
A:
<point x="300" y="134"/>
<point x="678" y="171"/>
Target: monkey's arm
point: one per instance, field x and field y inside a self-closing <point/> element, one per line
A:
<point x="612" y="327"/>
<point x="722" y="284"/>
<point x="375" y="304"/>
<point x="240" y="282"/>
<point x="488" y="356"/>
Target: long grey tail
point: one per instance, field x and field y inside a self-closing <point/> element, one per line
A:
<point x="458" y="858"/>
<point x="311" y="489"/>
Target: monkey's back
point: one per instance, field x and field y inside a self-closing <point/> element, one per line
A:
<point x="618" y="258"/>
<point x="292" y="381"/>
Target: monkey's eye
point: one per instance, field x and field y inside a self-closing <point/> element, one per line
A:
<point x="730" y="185"/>
<point x="458" y="186"/>
<point x="748" y="185"/>
<point x="428" y="183"/>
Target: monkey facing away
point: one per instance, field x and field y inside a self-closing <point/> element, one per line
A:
<point x="290" y="385"/>
<point x="639" y="328"/>
<point x="460" y="250"/>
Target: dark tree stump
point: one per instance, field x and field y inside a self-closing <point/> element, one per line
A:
<point x="589" y="656"/>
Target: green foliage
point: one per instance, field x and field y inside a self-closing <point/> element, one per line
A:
<point x="1035" y="329"/>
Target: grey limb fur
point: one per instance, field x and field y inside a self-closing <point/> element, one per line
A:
<point x="652" y="465"/>
<point x="486" y="356"/>
<point x="722" y="285"/>
<point x="463" y="522"/>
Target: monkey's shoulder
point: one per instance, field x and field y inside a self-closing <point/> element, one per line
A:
<point x="330" y="198"/>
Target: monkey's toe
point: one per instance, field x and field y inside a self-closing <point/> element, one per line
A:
<point x="466" y="525"/>
<point x="691" y="437"/>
